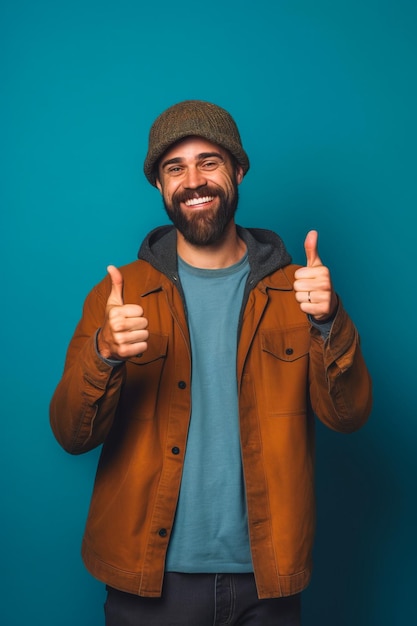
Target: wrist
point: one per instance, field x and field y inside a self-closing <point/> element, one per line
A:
<point x="103" y="353"/>
<point x="325" y="319"/>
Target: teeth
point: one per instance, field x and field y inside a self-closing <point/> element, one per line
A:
<point x="194" y="201"/>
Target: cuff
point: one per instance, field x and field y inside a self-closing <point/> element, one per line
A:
<point x="110" y="362"/>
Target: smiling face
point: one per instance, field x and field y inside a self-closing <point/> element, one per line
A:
<point x="198" y="181"/>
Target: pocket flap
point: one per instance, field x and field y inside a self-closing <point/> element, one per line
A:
<point x="157" y="349"/>
<point x="287" y="345"/>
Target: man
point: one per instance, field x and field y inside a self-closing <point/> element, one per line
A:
<point x="199" y="367"/>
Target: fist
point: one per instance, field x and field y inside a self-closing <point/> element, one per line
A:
<point x="313" y="286"/>
<point x="124" y="333"/>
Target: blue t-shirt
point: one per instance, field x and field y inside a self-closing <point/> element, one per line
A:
<point x="210" y="531"/>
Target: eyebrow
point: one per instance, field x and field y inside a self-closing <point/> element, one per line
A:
<point x="199" y="157"/>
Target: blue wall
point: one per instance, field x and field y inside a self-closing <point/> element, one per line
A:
<point x="325" y="96"/>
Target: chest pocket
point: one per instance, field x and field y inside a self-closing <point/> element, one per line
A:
<point x="142" y="384"/>
<point x="284" y="364"/>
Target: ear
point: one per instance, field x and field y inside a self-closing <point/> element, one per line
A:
<point x="158" y="184"/>
<point x="239" y="174"/>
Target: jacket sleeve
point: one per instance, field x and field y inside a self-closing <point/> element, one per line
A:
<point x="85" y="401"/>
<point x="340" y="384"/>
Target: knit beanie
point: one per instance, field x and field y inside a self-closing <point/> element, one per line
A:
<point x="193" y="117"/>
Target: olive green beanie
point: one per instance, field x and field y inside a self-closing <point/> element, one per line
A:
<point x="193" y="117"/>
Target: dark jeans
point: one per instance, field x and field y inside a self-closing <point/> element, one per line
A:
<point x="202" y="600"/>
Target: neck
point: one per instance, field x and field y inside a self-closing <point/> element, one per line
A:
<point x="222" y="254"/>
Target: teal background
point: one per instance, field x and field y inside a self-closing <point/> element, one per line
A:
<point x="325" y="97"/>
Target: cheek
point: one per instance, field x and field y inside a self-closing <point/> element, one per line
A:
<point x="168" y="191"/>
<point x="224" y="182"/>
<point x="229" y="186"/>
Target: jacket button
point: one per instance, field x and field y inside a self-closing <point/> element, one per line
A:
<point x="289" y="351"/>
<point x="175" y="450"/>
<point x="162" y="532"/>
<point x="182" y="384"/>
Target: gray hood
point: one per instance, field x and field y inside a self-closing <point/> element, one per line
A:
<point x="266" y="251"/>
<point x="266" y="254"/>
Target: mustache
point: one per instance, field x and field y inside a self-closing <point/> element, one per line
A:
<point x="190" y="194"/>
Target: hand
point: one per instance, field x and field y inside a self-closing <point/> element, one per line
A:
<point x="124" y="333"/>
<point x="313" y="285"/>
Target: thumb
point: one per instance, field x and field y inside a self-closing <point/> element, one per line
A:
<point x="116" y="294"/>
<point x="310" y="247"/>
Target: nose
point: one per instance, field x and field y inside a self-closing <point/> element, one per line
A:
<point x="194" y="178"/>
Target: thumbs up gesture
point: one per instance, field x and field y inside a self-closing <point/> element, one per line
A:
<point x="313" y="286"/>
<point x="124" y="332"/>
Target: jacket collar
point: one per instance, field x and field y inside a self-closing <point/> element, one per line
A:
<point x="266" y="252"/>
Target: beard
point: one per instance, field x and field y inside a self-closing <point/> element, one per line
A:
<point x="205" y="226"/>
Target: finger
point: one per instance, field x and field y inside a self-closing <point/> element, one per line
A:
<point x="312" y="279"/>
<point x="127" y="318"/>
<point x="116" y="294"/>
<point x="310" y="247"/>
<point x="133" y="312"/>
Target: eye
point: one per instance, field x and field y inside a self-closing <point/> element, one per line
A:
<point x="210" y="164"/>
<point x="174" y="170"/>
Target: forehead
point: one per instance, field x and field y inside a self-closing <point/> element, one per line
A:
<point x="191" y="148"/>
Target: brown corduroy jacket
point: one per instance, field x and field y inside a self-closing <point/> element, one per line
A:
<point x="140" y="412"/>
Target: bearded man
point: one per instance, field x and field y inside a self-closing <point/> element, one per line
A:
<point x="200" y="369"/>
